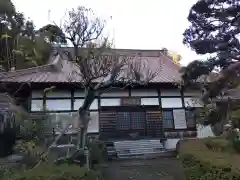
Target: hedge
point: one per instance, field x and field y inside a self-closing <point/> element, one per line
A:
<point x="209" y="159"/>
<point x="55" y="172"/>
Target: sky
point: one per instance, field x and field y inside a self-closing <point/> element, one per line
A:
<point x="135" y="24"/>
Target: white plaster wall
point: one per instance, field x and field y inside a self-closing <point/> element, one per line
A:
<point x="93" y="125"/>
<point x="204" y="131"/>
<point x="171" y="102"/>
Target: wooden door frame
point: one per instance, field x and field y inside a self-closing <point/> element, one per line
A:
<point x="131" y="108"/>
<point x="134" y="108"/>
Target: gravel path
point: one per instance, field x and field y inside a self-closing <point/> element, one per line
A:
<point x="157" y="169"/>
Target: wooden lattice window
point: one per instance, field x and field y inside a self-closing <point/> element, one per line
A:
<point x="168" y="121"/>
<point x="138" y="120"/>
<point x="190" y="118"/>
<point x="131" y="120"/>
<point x="123" y="120"/>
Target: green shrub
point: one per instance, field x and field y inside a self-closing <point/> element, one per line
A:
<point x="96" y="156"/>
<point x="96" y="149"/>
<point x="54" y="172"/>
<point x="217" y="144"/>
<point x="203" y="163"/>
<point x="4" y="170"/>
<point x="30" y="150"/>
<point x="236" y="145"/>
<point x="96" y="152"/>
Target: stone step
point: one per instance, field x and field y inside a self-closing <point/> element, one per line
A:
<point x="140" y="143"/>
<point x="148" y="156"/>
<point x="137" y="144"/>
<point x="138" y="153"/>
<point x="138" y="148"/>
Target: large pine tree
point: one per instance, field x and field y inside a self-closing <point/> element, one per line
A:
<point x="214" y="30"/>
<point x="19" y="45"/>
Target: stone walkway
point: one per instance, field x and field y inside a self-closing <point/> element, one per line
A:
<point x="155" y="169"/>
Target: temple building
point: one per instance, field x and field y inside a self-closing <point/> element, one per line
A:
<point x="158" y="112"/>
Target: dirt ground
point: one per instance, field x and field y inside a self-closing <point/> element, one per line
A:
<point x="154" y="169"/>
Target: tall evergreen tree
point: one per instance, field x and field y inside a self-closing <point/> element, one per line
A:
<point x="214" y="30"/>
<point x="19" y="45"/>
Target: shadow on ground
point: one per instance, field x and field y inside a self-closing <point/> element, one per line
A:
<point x="155" y="169"/>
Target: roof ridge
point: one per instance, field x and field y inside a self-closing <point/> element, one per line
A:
<point x="137" y="49"/>
<point x="60" y="69"/>
<point x="130" y="52"/>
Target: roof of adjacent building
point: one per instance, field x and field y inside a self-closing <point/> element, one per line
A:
<point x="63" y="71"/>
<point x="9" y="103"/>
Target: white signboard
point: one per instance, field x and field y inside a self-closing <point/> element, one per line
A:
<point x="179" y="119"/>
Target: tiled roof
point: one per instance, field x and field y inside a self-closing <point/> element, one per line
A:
<point x="61" y="70"/>
<point x="7" y="102"/>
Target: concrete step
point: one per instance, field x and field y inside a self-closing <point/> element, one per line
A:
<point x="148" y="156"/>
<point x="138" y="148"/>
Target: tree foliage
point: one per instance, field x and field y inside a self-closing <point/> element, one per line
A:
<point x="214" y="31"/>
<point x="98" y="71"/>
<point x="21" y="46"/>
<point x="53" y="33"/>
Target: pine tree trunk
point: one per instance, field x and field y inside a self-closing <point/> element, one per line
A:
<point x="218" y="128"/>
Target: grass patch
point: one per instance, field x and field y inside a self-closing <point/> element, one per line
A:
<point x="209" y="159"/>
<point x="55" y="172"/>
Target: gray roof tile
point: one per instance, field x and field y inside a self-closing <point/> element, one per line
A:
<point x="60" y="70"/>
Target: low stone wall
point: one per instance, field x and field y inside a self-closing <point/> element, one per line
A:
<point x="202" y="132"/>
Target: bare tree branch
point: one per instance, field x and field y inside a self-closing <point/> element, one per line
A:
<point x="99" y="67"/>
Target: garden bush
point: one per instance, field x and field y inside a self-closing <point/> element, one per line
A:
<point x="56" y="172"/>
<point x="236" y="145"/>
<point x="218" y="144"/>
<point x="202" y="162"/>
<point x="96" y="149"/>
<point x="96" y="155"/>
